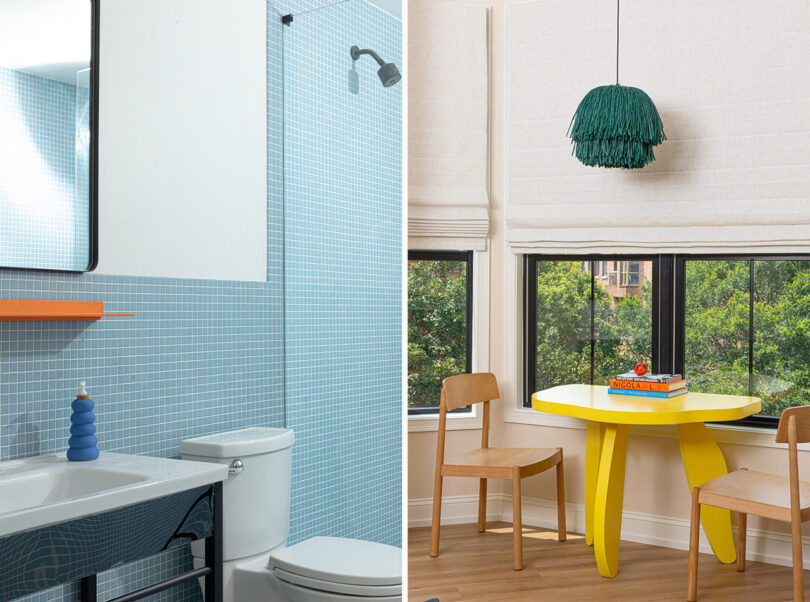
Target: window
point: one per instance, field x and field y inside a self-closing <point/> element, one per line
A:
<point x="731" y="324"/>
<point x="439" y="324"/>
<point x="600" y="268"/>
<point x="746" y="329"/>
<point x="629" y="273"/>
<point x="583" y="329"/>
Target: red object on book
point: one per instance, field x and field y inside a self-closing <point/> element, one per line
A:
<point x="640" y="385"/>
<point x="640" y="369"/>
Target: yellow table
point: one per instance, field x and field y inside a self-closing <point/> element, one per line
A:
<point x="606" y="447"/>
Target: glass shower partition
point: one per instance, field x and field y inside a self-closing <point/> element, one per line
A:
<point x="343" y="258"/>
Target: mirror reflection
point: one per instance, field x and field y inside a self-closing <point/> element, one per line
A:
<point x="45" y="134"/>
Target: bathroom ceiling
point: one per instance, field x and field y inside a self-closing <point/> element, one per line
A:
<point x="46" y="37"/>
<point x="295" y="7"/>
<point x="52" y="37"/>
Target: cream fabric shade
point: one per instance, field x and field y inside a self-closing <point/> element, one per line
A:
<point x="730" y="81"/>
<point x="448" y="111"/>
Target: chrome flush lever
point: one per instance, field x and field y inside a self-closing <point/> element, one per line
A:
<point x="236" y="467"/>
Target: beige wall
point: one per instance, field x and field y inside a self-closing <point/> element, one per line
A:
<point x="655" y="482"/>
<point x="422" y="445"/>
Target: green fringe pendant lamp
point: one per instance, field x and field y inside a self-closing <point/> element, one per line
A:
<point x="616" y="126"/>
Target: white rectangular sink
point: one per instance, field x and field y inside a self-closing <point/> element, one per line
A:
<point x="44" y="490"/>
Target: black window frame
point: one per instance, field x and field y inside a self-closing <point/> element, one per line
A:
<point x="669" y="313"/>
<point x="467" y="257"/>
<point x="679" y="320"/>
<point x="661" y="339"/>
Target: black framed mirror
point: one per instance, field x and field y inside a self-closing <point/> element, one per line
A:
<point x="49" y="134"/>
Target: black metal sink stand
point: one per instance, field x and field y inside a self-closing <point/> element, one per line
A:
<point x="212" y="571"/>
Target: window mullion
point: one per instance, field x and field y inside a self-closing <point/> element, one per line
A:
<point x="663" y="314"/>
<point x="593" y="311"/>
<point x="529" y="328"/>
<point x="751" y="327"/>
<point x="679" y="316"/>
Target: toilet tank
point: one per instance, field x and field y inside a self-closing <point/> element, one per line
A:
<point x="256" y="500"/>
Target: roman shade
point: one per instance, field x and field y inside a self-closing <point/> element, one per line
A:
<point x="730" y="81"/>
<point x="448" y="111"/>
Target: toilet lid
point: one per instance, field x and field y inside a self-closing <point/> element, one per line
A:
<point x="376" y="591"/>
<point x="340" y="560"/>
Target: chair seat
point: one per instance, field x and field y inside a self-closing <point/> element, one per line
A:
<point x="497" y="462"/>
<point x="753" y="492"/>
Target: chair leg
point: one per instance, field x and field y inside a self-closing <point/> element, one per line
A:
<point x="561" y="530"/>
<point x="742" y="525"/>
<point x="437" y="517"/>
<point x="798" y="563"/>
<point x="517" y="520"/>
<point x="694" y="542"/>
<point x="482" y="505"/>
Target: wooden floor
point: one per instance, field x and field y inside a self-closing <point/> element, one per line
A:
<point x="475" y="567"/>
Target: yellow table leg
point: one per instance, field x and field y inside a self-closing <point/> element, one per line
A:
<point x="607" y="523"/>
<point x="593" y="452"/>
<point x="703" y="461"/>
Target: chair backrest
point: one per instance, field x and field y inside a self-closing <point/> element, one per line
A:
<point x="801" y="415"/>
<point x="467" y="389"/>
<point x="463" y="390"/>
<point x="794" y="427"/>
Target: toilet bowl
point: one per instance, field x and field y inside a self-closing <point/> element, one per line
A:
<point x="321" y="569"/>
<point x="258" y="565"/>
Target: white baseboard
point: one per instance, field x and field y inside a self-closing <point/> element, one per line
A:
<point x="665" y="531"/>
<point x="456" y="510"/>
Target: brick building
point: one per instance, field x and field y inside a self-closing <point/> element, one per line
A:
<point x="621" y="278"/>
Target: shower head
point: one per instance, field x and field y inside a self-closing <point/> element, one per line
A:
<point x="388" y="72"/>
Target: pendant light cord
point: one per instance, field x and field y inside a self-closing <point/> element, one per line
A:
<point x="617" y="42"/>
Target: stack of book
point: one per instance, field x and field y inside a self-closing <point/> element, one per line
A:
<point x="662" y="386"/>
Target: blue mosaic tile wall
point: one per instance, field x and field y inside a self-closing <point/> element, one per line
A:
<point x="200" y="356"/>
<point x="44" y="216"/>
<point x="343" y="274"/>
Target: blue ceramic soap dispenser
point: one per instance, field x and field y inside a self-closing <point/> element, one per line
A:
<point x="83" y="444"/>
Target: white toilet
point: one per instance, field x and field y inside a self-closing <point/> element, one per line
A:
<point x="259" y="567"/>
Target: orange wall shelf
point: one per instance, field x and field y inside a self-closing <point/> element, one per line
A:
<point x="17" y="310"/>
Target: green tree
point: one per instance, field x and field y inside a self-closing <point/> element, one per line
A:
<point x="782" y="334"/>
<point x="623" y="333"/>
<point x="716" y="330"/>
<point x="716" y="326"/>
<point x="622" y="327"/>
<point x="437" y="327"/>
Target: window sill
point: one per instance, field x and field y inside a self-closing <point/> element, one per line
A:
<point x="455" y="422"/>
<point x="722" y="433"/>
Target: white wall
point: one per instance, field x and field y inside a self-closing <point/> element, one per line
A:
<point x="183" y="139"/>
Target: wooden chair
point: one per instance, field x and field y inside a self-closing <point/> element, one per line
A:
<point x="786" y="499"/>
<point x="489" y="462"/>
